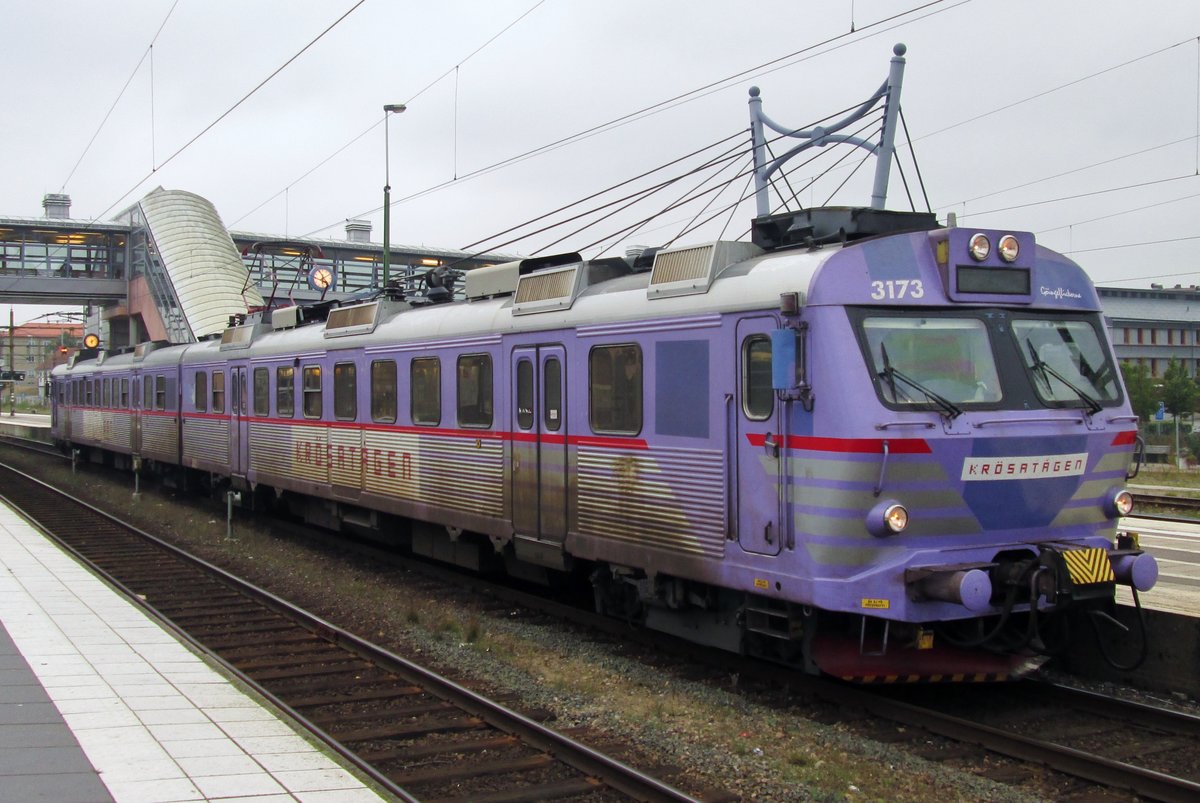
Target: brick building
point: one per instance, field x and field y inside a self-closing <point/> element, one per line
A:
<point x="36" y="349"/>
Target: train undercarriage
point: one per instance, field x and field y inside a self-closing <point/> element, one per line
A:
<point x="1000" y="646"/>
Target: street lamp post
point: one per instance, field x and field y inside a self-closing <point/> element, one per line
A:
<point x="387" y="191"/>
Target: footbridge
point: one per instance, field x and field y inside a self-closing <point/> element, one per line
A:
<point x="166" y="268"/>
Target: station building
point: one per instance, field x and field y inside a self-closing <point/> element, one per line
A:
<point x="1152" y="326"/>
<point x="30" y="351"/>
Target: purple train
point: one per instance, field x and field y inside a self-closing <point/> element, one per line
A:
<point x="899" y="457"/>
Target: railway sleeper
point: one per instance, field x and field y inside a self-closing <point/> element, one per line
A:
<point x="460" y="771"/>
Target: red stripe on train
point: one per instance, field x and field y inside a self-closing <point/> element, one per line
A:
<point x="809" y="443"/>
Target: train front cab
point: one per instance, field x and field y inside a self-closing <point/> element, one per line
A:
<point x="957" y="440"/>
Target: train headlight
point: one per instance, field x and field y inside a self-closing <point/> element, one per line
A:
<point x="979" y="246"/>
<point x="1120" y="503"/>
<point x="887" y="518"/>
<point x="1008" y="248"/>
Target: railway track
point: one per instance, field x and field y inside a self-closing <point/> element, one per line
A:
<point x="1114" y="743"/>
<point x="1096" y="747"/>
<point x="1189" y="503"/>
<point x="419" y="735"/>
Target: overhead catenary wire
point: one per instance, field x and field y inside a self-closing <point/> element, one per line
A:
<point x="623" y="203"/>
<point x="823" y="47"/>
<point x="747" y="170"/>
<point x="1119" y="213"/>
<point x="640" y="195"/>
<point x="379" y="122"/>
<point x="675" y="205"/>
<point x="1077" y="196"/>
<point x="232" y="108"/>
<point x="598" y="194"/>
<point x="145" y="54"/>
<point x="720" y="162"/>
<point x="916" y="165"/>
<point x="1074" y="170"/>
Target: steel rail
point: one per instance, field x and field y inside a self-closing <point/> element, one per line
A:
<point x="612" y="772"/>
<point x="1164" y="500"/>
<point x="1096" y="769"/>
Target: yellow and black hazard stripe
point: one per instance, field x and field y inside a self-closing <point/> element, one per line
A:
<point x="1088" y="566"/>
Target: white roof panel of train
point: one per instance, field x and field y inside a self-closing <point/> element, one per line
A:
<point x="755" y="283"/>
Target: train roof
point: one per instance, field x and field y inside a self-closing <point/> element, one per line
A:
<point x="610" y="296"/>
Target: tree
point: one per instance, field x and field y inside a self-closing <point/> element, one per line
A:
<point x="1179" y="389"/>
<point x="1142" y="397"/>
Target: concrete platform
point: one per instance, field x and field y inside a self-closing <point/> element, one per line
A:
<point x="99" y="703"/>
<point x="25" y="425"/>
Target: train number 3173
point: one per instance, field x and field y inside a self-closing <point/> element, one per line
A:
<point x="898" y="288"/>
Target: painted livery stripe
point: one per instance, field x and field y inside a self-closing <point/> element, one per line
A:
<point x="1125" y="438"/>
<point x="603" y="441"/>
<point x="808" y="443"/>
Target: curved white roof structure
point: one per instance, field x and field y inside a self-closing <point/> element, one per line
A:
<point x="204" y="266"/>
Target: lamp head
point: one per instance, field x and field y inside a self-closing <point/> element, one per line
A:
<point x="394" y="107"/>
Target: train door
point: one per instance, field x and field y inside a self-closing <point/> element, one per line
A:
<point x="538" y="465"/>
<point x="238" y="412"/>
<point x="135" y="412"/>
<point x="760" y="450"/>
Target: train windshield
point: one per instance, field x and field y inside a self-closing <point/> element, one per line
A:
<point x="1067" y="361"/>
<point x="941" y="361"/>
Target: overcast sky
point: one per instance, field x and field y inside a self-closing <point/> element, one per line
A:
<point x="1075" y="119"/>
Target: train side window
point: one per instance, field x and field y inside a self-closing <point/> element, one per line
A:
<point x="218" y="391"/>
<point x="285" y="391"/>
<point x="201" y="391"/>
<point x="94" y="400"/>
<point x="262" y="391"/>
<point x="383" y="391"/>
<point x="615" y="389"/>
<point x="425" y="379"/>
<point x="125" y="393"/>
<point x="525" y="394"/>
<point x="160" y="392"/>
<point x="312" y="391"/>
<point x="106" y="391"/>
<point x="552" y="389"/>
<point x="148" y="393"/>
<point x="345" y="392"/>
<point x="758" y="395"/>
<point x="475" y="390"/>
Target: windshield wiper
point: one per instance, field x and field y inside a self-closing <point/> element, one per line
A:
<point x="1043" y="367"/>
<point x="891" y="374"/>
